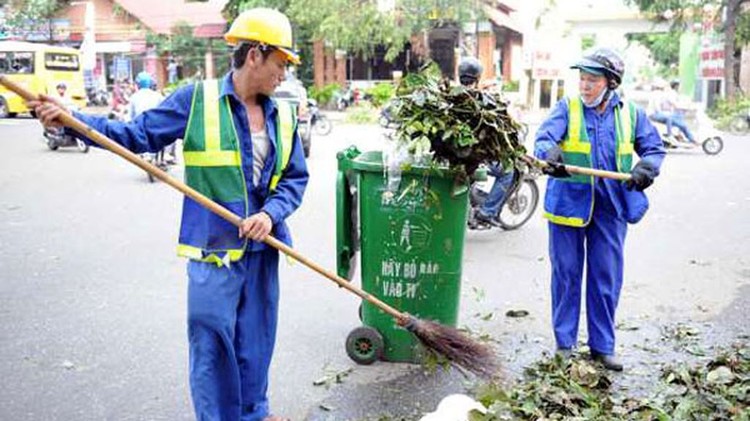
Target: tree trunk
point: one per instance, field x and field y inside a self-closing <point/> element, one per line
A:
<point x="730" y="28"/>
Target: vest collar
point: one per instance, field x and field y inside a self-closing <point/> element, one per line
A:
<point x="227" y="88"/>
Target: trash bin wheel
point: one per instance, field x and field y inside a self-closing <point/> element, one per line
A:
<point x="364" y="345"/>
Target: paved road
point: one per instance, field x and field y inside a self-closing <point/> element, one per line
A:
<point x="92" y="298"/>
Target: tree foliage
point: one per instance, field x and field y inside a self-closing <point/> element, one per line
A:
<point x="185" y="46"/>
<point x="664" y="47"/>
<point x="33" y="15"/>
<point x="359" y="26"/>
<point x="683" y="13"/>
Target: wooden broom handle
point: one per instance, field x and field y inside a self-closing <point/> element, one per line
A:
<point x="72" y="122"/>
<point x="574" y="169"/>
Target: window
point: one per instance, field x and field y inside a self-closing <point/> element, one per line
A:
<point x="61" y="61"/>
<point x="16" y="62"/>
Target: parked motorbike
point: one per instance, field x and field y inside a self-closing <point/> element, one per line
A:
<point x="97" y="97"/>
<point x="709" y="138"/>
<point x="740" y="124"/>
<point x="520" y="202"/>
<point x="320" y="123"/>
<point x="344" y="99"/>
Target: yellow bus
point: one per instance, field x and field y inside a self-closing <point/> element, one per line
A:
<point x="39" y="68"/>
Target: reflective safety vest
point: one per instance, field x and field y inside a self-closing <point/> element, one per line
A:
<point x="570" y="201"/>
<point x="213" y="166"/>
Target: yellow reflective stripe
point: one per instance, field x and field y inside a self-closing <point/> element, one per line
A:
<point x="286" y="138"/>
<point x="576" y="147"/>
<point x="211" y="116"/>
<point x="626" y="143"/>
<point x="212" y="159"/>
<point x="286" y="122"/>
<point x="195" y="253"/>
<point x="575" y="120"/>
<point x="565" y="220"/>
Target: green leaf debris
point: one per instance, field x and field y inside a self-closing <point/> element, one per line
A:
<point x="455" y="125"/>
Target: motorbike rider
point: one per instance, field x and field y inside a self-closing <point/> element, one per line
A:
<point x="664" y="108"/>
<point x="241" y="149"/>
<point x="469" y="74"/>
<point x="588" y="216"/>
<point x="144" y="99"/>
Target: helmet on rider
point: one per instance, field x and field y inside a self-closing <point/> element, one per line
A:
<point x="265" y="26"/>
<point x="469" y="71"/>
<point x="144" y="80"/>
<point x="603" y="61"/>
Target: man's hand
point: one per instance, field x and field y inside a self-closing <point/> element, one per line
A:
<point x="256" y="227"/>
<point x="555" y="166"/>
<point x="642" y="176"/>
<point x="48" y="109"/>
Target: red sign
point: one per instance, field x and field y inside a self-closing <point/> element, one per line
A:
<point x="712" y="56"/>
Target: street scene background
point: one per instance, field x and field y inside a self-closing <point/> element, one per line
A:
<point x="92" y="311"/>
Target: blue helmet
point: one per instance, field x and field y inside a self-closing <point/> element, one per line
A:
<point x="603" y="61"/>
<point x="144" y="80"/>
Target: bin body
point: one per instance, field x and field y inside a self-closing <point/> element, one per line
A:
<point x="411" y="244"/>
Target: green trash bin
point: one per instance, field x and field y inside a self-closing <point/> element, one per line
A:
<point x="411" y="245"/>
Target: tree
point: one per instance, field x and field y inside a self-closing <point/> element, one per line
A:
<point x="32" y="15"/>
<point x="664" y="47"/>
<point x="360" y="26"/>
<point x="181" y="43"/>
<point x="735" y="27"/>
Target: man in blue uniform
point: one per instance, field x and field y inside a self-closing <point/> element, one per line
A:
<point x="241" y="149"/>
<point x="588" y="216"/>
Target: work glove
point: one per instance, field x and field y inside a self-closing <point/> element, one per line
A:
<point x="642" y="176"/>
<point x="555" y="166"/>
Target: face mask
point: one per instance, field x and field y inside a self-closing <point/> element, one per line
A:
<point x="595" y="103"/>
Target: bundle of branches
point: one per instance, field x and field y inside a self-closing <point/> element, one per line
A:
<point x="458" y="126"/>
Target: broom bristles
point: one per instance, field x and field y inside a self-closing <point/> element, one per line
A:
<point x="455" y="346"/>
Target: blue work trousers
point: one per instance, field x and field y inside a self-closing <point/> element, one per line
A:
<point x="673" y="120"/>
<point x="600" y="246"/>
<point x="496" y="197"/>
<point x="232" y="315"/>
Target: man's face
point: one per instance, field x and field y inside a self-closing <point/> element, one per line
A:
<point x="61" y="90"/>
<point x="591" y="86"/>
<point x="269" y="73"/>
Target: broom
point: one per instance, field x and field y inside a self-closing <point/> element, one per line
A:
<point x="573" y="169"/>
<point x="455" y="346"/>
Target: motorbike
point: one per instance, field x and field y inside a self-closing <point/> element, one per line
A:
<point x="55" y="137"/>
<point x="519" y="204"/>
<point x="387" y="115"/>
<point x="97" y="97"/>
<point x="320" y="123"/>
<point x="740" y="123"/>
<point x="344" y="99"/>
<point x="711" y="143"/>
<point x="158" y="160"/>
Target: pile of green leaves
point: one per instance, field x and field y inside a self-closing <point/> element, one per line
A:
<point x="460" y="127"/>
<point x="576" y="389"/>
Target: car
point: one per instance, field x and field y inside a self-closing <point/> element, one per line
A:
<point x="291" y="90"/>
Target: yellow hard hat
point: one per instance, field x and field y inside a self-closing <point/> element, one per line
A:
<point x="264" y="25"/>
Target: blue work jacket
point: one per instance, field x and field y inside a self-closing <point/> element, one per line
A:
<point x="158" y="127"/>
<point x="601" y="133"/>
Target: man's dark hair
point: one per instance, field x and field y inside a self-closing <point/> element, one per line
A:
<point x="239" y="54"/>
